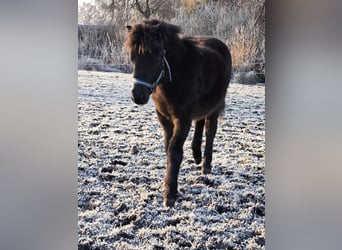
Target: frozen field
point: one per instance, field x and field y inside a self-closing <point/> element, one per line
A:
<point x="121" y="166"/>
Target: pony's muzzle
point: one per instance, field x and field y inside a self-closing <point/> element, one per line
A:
<point x="140" y="94"/>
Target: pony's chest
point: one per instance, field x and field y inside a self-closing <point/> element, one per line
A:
<point x="163" y="104"/>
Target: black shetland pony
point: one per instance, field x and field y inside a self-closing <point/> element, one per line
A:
<point x="188" y="78"/>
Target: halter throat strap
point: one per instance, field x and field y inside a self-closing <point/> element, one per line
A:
<point x="153" y="85"/>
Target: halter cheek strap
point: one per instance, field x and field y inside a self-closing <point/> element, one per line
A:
<point x="153" y="85"/>
<point x="167" y="66"/>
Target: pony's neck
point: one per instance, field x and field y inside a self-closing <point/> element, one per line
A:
<point x="175" y="52"/>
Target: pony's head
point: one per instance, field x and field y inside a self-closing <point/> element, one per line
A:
<point x="146" y="46"/>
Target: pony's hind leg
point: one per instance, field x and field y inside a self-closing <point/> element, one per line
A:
<point x="210" y="131"/>
<point x="197" y="141"/>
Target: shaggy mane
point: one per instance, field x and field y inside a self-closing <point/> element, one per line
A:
<point x="150" y="36"/>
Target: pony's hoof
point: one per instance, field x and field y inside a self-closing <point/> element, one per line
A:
<point x="206" y="170"/>
<point x="198" y="160"/>
<point x="168" y="203"/>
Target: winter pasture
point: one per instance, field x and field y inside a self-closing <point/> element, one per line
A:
<point x="121" y="166"/>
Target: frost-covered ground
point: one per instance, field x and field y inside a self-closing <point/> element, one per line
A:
<point x="121" y="164"/>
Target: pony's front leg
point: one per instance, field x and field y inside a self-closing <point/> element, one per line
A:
<point x="174" y="159"/>
<point x="167" y="129"/>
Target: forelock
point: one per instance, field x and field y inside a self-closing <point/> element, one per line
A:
<point x="150" y="36"/>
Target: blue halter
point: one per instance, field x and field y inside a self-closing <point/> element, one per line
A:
<point x="153" y="85"/>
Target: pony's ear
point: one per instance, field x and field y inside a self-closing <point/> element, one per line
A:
<point x="175" y="29"/>
<point x="129" y="27"/>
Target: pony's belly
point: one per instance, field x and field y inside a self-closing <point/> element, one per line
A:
<point x="202" y="112"/>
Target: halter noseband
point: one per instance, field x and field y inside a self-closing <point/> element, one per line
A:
<point x="153" y="85"/>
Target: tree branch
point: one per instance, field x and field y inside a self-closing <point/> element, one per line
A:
<point x="139" y="6"/>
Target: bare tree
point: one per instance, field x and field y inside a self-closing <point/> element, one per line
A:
<point x="89" y="14"/>
<point x="161" y="8"/>
<point x="239" y="23"/>
<point x="146" y="12"/>
<point x="115" y="12"/>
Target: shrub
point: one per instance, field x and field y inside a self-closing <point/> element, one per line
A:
<point x="239" y="26"/>
<point x="99" y="47"/>
<point x="247" y="77"/>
